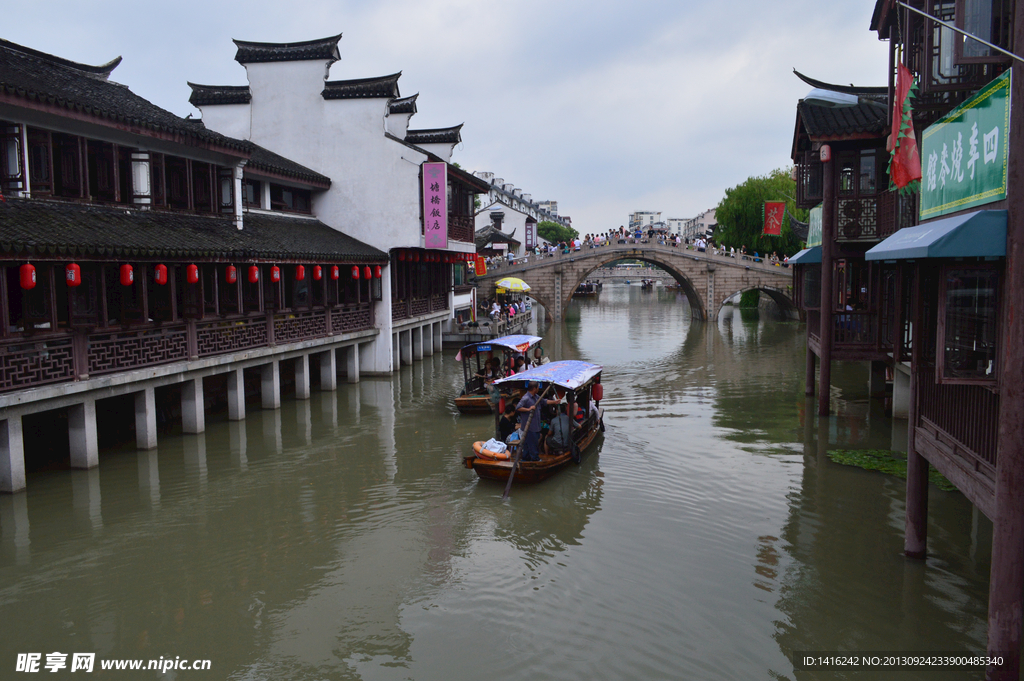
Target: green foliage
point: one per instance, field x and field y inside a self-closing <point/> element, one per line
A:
<point x="750" y="298"/>
<point x="884" y="461"/>
<point x="740" y="214"/>
<point x="552" y="231"/>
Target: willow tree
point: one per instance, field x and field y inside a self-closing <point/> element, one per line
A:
<point x="740" y="214"/>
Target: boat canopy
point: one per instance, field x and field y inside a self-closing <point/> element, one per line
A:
<point x="569" y="374"/>
<point x="519" y="342"/>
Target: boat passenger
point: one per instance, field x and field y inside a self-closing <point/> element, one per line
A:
<point x="520" y="364"/>
<point x="526" y="406"/>
<point x="507" y="422"/>
<point x="560" y="435"/>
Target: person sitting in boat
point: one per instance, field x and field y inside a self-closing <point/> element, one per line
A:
<point x="520" y="364"/>
<point x="579" y="414"/>
<point x="527" y="405"/>
<point x="560" y="434"/>
<point x="507" y="422"/>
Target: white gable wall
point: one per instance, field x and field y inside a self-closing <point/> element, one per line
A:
<point x="287" y="109"/>
<point x="228" y="119"/>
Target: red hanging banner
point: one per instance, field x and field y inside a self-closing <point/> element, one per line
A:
<point x="905" y="161"/>
<point x="774" y="211"/>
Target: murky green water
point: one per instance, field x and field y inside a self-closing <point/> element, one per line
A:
<point x="705" y="537"/>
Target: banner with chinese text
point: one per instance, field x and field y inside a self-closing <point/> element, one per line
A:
<point x="965" y="153"/>
<point x="435" y="205"/>
<point x="814" y="227"/>
<point x="774" y="211"/>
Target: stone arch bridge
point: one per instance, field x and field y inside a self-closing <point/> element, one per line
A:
<point x="707" y="280"/>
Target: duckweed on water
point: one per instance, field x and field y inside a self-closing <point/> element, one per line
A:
<point x="885" y="461"/>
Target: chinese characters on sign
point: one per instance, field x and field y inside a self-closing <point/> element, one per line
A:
<point x="435" y="205"/>
<point x="773" y="213"/>
<point x="965" y="153"/>
<point x="814" y="227"/>
<point x="531" y="235"/>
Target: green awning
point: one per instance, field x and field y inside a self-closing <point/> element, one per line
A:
<point x="973" y="235"/>
<point x="808" y="256"/>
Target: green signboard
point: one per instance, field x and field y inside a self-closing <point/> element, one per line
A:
<point x="964" y="154"/>
<point x="814" y="227"/>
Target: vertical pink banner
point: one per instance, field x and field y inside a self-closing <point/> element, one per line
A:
<point x="435" y="205"/>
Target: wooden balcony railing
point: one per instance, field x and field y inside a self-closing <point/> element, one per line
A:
<point x="415" y="307"/>
<point x="57" y="357"/>
<point x="968" y="414"/>
<point x="461" y="228"/>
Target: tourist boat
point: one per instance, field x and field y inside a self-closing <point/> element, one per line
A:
<point x="473" y="398"/>
<point x="580" y="383"/>
<point x="587" y="289"/>
<point x="647" y="284"/>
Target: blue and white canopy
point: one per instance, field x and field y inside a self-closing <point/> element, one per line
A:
<point x="569" y="374"/>
<point x="519" y="342"/>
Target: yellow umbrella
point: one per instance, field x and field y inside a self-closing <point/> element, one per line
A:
<point x="512" y="284"/>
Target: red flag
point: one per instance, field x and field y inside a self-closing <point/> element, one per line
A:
<point x="773" y="214"/>
<point x="905" y="161"/>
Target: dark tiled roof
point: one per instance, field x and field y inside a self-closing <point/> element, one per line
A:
<point x="848" y="89"/>
<point x="435" y="135"/>
<point x="84" y="90"/>
<point x="363" y="88"/>
<point x="54" y="228"/>
<point x="253" y="53"/>
<point x="800" y="229"/>
<point x="207" y="95"/>
<point x="488" y="234"/>
<point x="266" y="160"/>
<point x="406" y="105"/>
<point x="867" y="118"/>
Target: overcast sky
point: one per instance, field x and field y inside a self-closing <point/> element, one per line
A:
<point x="606" y="107"/>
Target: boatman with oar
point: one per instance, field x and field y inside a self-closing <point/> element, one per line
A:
<point x="527" y="404"/>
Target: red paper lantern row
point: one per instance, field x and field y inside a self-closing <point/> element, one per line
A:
<point x="254" y="274"/>
<point x="127" y="275"/>
<point x="275" y="274"/>
<point x="367" y="274"/>
<point x="192" y="274"/>
<point x="300" y="272"/>
<point x="355" y="271"/>
<point x="27" y="276"/>
<point x="376" y="272"/>
<point x="160" y="274"/>
<point x="73" y="275"/>
<point x="231" y="274"/>
<point x="335" y="272"/>
<point x="318" y="272"/>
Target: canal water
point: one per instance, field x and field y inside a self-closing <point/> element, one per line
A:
<point x="706" y="536"/>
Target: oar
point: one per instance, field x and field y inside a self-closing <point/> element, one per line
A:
<point x="522" y="443"/>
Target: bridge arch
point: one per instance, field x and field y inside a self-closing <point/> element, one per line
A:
<point x="782" y="298"/>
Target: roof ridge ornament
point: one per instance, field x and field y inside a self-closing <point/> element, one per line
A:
<point x="250" y="52"/>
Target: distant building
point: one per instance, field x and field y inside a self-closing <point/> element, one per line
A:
<point x="511" y="196"/>
<point x="701" y="226"/>
<point x="643" y="219"/>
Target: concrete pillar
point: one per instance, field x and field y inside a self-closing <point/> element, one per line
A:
<point x="901" y="392"/>
<point x="437" y="331"/>
<point x="270" y="385"/>
<point x="193" y="409"/>
<point x="396" y="359"/>
<point x="428" y="340"/>
<point x="85" y="448"/>
<point x="352" y="363"/>
<point x="85" y="497"/>
<point x="417" y="342"/>
<point x="828" y="232"/>
<point x="876" y="379"/>
<point x="236" y="395"/>
<point x="329" y="371"/>
<point x="12" y="455"/>
<point x="149" y="477"/>
<point x="14" y="521"/>
<point x="145" y="419"/>
<point x="302" y="377"/>
<point x="405" y="346"/>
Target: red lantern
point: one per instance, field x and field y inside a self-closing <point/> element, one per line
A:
<point x="376" y="272"/>
<point x="275" y="274"/>
<point x="597" y="391"/>
<point x="127" y="275"/>
<point x="160" y="274"/>
<point x="28" y="276"/>
<point x="367" y="273"/>
<point x="401" y="256"/>
<point x="355" y="271"/>
<point x="335" y="272"/>
<point x="318" y="273"/>
<point x="501" y="406"/>
<point x="192" y="274"/>
<point x="231" y="274"/>
<point x="416" y="257"/>
<point x="254" y="274"/>
<point x="73" y="274"/>
<point x="300" y="272"/>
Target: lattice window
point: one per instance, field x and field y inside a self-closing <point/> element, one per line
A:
<point x="120" y="351"/>
<point x="215" y="338"/>
<point x="24" y="364"/>
<point x="300" y="326"/>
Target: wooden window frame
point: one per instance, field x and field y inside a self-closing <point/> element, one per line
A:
<point x="940" y="319"/>
<point x="958" y="47"/>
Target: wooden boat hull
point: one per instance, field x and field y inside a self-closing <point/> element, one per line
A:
<point x="529" y="471"/>
<point x="478" y="404"/>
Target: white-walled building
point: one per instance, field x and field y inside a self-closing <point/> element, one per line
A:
<point x="642" y="219"/>
<point x="509" y="195"/>
<point x="517" y="224"/>
<point x="356" y="132"/>
<point x="701" y="226"/>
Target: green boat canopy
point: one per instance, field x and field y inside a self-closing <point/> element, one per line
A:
<point x="972" y="235"/>
<point x="808" y="256"/>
